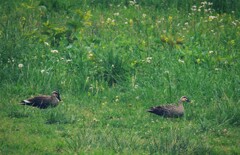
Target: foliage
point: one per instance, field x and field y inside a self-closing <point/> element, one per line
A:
<point x="111" y="61"/>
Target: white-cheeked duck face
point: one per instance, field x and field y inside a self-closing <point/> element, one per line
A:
<point x="57" y="95"/>
<point x="184" y="99"/>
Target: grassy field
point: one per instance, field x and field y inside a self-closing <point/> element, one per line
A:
<point x="111" y="61"/>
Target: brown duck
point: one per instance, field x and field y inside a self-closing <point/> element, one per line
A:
<point x="170" y="110"/>
<point x="43" y="101"/>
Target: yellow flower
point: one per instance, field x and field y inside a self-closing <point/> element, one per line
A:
<point x="170" y="18"/>
<point x="131" y="22"/>
<point x="87" y="15"/>
<point x="198" y="61"/>
<point x="179" y="41"/>
<point x="232" y="42"/>
<point x="164" y="39"/>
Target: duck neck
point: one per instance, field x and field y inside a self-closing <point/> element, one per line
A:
<point x="180" y="103"/>
<point x="53" y="97"/>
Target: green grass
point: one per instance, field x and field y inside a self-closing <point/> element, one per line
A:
<point x="110" y="64"/>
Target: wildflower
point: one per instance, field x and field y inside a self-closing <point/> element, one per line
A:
<point x="235" y="24"/>
<point x="164" y="39"/>
<point x="210" y="52"/>
<point x="194" y="8"/>
<point x="198" y="61"/>
<point x="179" y="41"/>
<point x="116" y="14"/>
<point x="116" y="98"/>
<point x="20" y="66"/>
<point x="204" y="3"/>
<point x="144" y="15"/>
<point x="232" y="42"/>
<point x="166" y="72"/>
<point x="54" y="51"/>
<point x="113" y="22"/>
<point x="148" y="60"/>
<point x="132" y="2"/>
<point x="224" y="130"/>
<point x="210" y="18"/>
<point x="131" y="22"/>
<point x="109" y="20"/>
<point x="42" y="71"/>
<point x="95" y="120"/>
<point x="181" y="61"/>
<point x="209" y="3"/>
<point x="46" y="43"/>
<point x="90" y="55"/>
<point x="170" y="18"/>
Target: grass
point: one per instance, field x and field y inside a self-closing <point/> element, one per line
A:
<point x="110" y="64"/>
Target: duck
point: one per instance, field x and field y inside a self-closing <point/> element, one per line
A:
<point x="43" y="101"/>
<point x="170" y="110"/>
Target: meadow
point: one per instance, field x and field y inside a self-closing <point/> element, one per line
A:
<point x="111" y="61"/>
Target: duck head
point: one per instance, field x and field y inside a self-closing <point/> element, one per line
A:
<point x="184" y="99"/>
<point x="57" y="95"/>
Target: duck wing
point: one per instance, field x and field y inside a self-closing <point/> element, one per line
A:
<point x="38" y="101"/>
<point x="164" y="110"/>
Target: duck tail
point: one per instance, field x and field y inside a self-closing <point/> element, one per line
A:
<point x="151" y="110"/>
<point x="25" y="102"/>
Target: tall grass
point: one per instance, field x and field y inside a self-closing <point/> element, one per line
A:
<point x="111" y="61"/>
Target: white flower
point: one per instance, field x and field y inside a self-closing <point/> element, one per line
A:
<point x="46" y="43"/>
<point x="54" y="51"/>
<point x="109" y="20"/>
<point x="181" y="61"/>
<point x="20" y="66"/>
<point x="204" y="3"/>
<point x="133" y="2"/>
<point x="212" y="17"/>
<point x="148" y="60"/>
<point x="116" y="14"/>
<point x="90" y="55"/>
<point x="235" y="24"/>
<point x="209" y="3"/>
<point x="166" y="72"/>
<point x="144" y="15"/>
<point x="210" y="52"/>
<point x="42" y="71"/>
